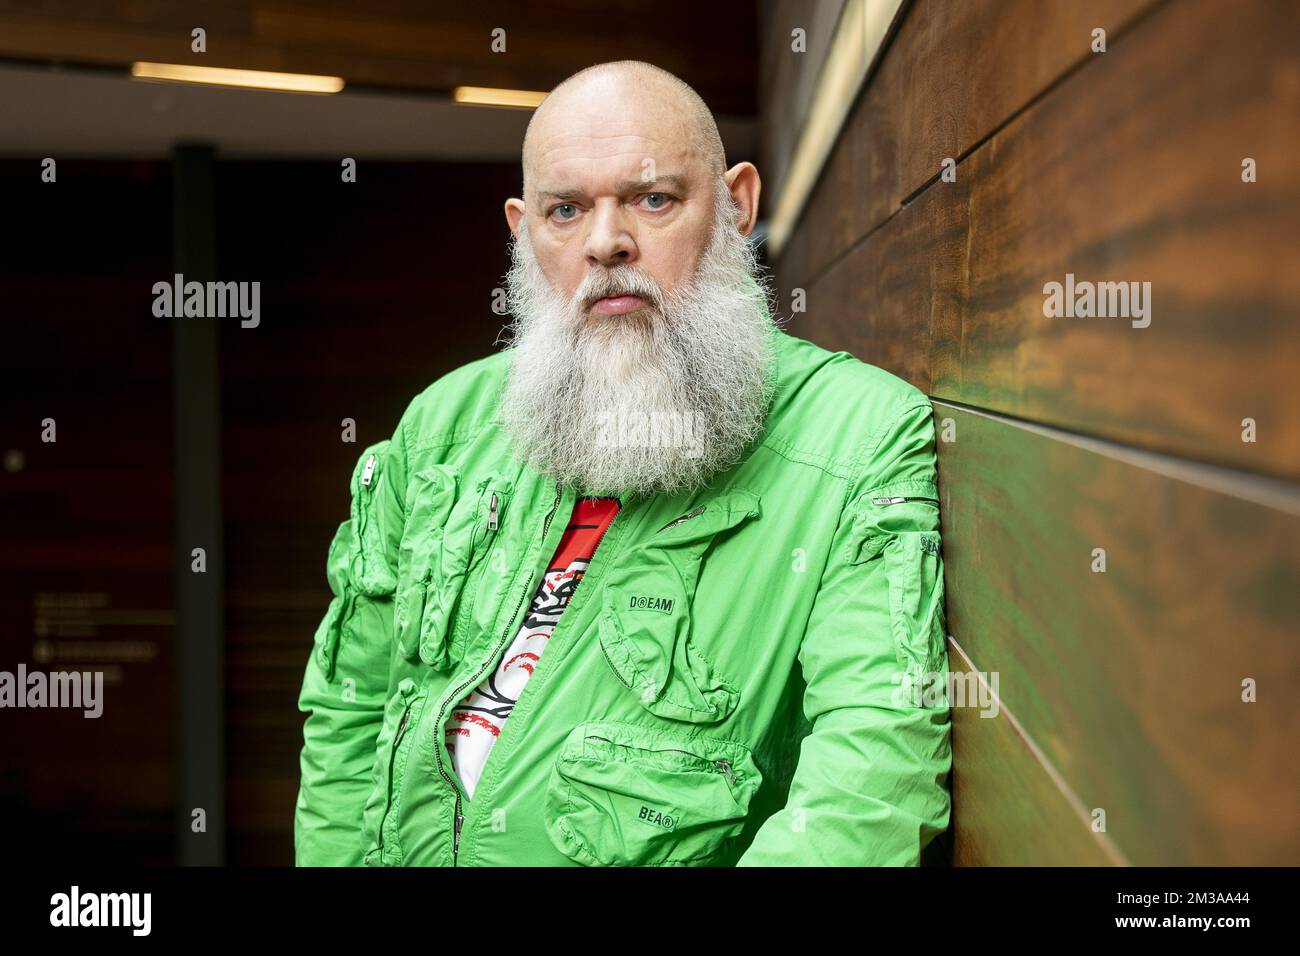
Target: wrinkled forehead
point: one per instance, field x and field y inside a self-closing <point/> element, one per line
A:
<point x="606" y="145"/>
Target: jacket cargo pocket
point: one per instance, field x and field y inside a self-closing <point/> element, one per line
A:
<point x="645" y="619"/>
<point x="899" y="525"/>
<point x="429" y="499"/>
<point x="441" y="558"/>
<point x="480" y="559"/>
<point x="624" y="795"/>
<point x="357" y="567"/>
<point x="393" y="747"/>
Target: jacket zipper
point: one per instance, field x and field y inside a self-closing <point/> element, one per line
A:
<point x="392" y="766"/>
<point x="722" y="764"/>
<point x="686" y="517"/>
<point x="613" y="668"/>
<point x="455" y="695"/>
<point x="896" y="501"/>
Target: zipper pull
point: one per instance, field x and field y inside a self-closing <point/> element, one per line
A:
<point x="725" y="766"/>
<point x="406" y="715"/>
<point x="492" y="513"/>
<point x="897" y="501"/>
<point x="456" y="843"/>
<point x="369" y="471"/>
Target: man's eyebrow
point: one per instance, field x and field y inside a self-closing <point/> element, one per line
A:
<point x="671" y="180"/>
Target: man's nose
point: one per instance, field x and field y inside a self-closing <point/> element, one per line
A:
<point x="610" y="243"/>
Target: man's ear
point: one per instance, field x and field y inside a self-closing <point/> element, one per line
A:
<point x="514" y="214"/>
<point x="745" y="185"/>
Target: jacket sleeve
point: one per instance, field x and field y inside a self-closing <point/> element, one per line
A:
<point x="870" y="787"/>
<point x="345" y="684"/>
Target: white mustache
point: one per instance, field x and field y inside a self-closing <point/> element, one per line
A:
<point x="623" y="280"/>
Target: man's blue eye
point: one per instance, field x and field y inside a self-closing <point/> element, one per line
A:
<point x="651" y="196"/>
<point x="565" y="205"/>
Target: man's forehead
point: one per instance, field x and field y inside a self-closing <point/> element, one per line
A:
<point x="611" y="155"/>
<point x="608" y="139"/>
<point x="615" y="179"/>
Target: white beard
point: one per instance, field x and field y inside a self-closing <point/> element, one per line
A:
<point x="654" y="401"/>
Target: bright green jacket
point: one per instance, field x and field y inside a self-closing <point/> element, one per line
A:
<point x="739" y="678"/>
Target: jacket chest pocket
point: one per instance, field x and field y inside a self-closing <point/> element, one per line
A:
<point x="624" y="795"/>
<point x="646" y="621"/>
<point x="442" y="557"/>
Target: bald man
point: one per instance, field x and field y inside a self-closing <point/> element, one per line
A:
<point x="658" y="584"/>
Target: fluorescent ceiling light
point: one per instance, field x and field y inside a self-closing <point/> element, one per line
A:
<point x="489" y="96"/>
<point x="252" y="79"/>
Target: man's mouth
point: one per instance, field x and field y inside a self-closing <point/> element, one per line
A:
<point x="619" y="304"/>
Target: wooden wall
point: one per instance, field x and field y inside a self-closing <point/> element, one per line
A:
<point x="1120" y="690"/>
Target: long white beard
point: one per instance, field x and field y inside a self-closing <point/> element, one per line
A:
<point x="656" y="401"/>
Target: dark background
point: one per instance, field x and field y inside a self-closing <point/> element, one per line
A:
<point x="369" y="292"/>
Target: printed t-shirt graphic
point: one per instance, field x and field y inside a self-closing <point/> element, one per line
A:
<point x="477" y="719"/>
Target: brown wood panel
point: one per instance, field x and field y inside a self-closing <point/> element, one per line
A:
<point x="1146" y="188"/>
<point x="953" y="73"/>
<point x="882" y="300"/>
<point x="1008" y="809"/>
<point x="1130" y="681"/>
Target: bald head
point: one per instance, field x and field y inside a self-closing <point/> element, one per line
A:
<point x="622" y="92"/>
<point x="623" y="167"/>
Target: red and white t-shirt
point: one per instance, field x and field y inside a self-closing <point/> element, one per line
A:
<point x="476" y="721"/>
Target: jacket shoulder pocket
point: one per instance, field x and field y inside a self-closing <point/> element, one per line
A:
<point x="645" y="627"/>
<point x="357" y="565"/>
<point x="624" y="795"/>
<point x="369" y="566"/>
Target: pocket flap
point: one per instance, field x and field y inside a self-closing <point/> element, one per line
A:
<point x="909" y="506"/>
<point x="625" y="795"/>
<point x="645" y="620"/>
